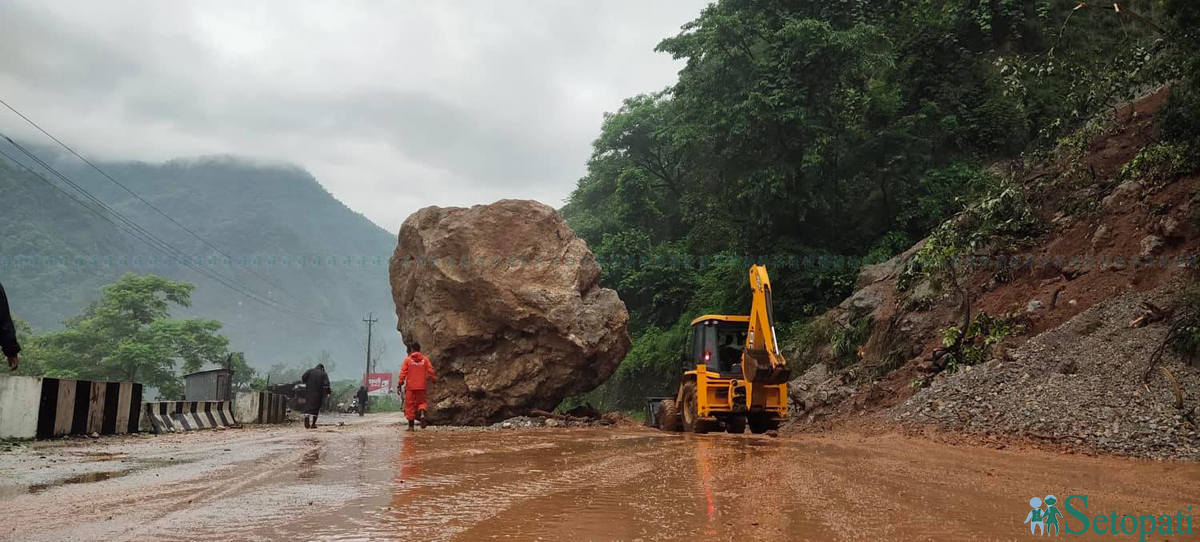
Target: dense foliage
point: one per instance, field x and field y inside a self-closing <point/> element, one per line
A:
<point x="808" y="135"/>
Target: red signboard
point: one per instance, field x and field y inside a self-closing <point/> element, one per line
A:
<point x="380" y="384"/>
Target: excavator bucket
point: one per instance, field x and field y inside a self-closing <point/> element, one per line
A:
<point x="757" y="368"/>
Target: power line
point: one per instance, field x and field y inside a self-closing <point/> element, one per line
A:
<point x="139" y="198"/>
<point x="138" y="232"/>
<point x="135" y="231"/>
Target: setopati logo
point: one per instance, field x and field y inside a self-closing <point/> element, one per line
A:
<point x="1045" y="518"/>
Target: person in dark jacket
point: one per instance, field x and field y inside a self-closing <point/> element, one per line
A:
<point x="316" y="387"/>
<point x="8" y="333"/>
<point x="362" y="400"/>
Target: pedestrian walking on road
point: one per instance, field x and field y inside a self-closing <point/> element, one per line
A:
<point x="316" y="387"/>
<point x="414" y="372"/>
<point x="8" y="333"/>
<point x="362" y="400"/>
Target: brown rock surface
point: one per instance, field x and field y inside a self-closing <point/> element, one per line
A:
<point x="506" y="301"/>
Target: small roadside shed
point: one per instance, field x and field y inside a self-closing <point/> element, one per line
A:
<point x="211" y="385"/>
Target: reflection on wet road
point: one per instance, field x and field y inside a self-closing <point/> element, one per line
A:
<point x="374" y="481"/>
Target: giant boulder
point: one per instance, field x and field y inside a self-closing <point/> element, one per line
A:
<point x="506" y="301"/>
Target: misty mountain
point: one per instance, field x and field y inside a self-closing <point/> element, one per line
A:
<point x="319" y="266"/>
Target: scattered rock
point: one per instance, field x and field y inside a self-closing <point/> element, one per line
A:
<point x="1102" y="237"/>
<point x="872" y="273"/>
<point x="1172" y="228"/>
<point x="1074" y="271"/>
<point x="1033" y="306"/>
<point x="1151" y="245"/>
<point x="817" y="388"/>
<point x="863" y="302"/>
<point x="1126" y="188"/>
<point x="1083" y="325"/>
<point x="520" y="422"/>
<point x="553" y="423"/>
<point x="506" y="301"/>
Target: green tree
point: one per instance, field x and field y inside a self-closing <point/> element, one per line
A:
<point x="128" y="335"/>
<point x="243" y="375"/>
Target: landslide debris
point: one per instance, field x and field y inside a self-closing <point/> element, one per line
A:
<point x="1059" y="342"/>
<point x="1078" y="384"/>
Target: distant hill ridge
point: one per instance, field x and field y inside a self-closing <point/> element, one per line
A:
<point x="274" y="218"/>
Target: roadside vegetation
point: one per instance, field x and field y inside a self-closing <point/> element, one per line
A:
<point x="129" y="335"/>
<point x="814" y="137"/>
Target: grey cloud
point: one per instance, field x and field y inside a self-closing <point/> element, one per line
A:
<point x="392" y="106"/>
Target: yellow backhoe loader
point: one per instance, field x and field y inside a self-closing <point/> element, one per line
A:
<point x="735" y="376"/>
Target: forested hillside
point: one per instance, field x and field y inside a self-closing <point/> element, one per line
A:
<point x="811" y="136"/>
<point x="266" y="217"/>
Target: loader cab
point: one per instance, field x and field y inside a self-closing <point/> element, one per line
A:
<point x="717" y="342"/>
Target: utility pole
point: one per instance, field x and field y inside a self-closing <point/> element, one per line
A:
<point x="370" y="320"/>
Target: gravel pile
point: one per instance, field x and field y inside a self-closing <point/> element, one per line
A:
<point x="521" y="422"/>
<point x="1079" y="384"/>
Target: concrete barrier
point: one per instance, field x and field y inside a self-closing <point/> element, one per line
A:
<point x="84" y="407"/>
<point x="19" y="396"/>
<point x="260" y="407"/>
<point x="173" y="416"/>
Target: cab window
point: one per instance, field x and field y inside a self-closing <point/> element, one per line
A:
<point x="697" y="346"/>
<point x="729" y="339"/>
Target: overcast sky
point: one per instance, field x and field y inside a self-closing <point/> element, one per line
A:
<point x="392" y="105"/>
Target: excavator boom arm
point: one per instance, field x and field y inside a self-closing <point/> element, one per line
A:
<point x="762" y="362"/>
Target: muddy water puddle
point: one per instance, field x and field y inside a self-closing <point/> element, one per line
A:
<point x="11" y="491"/>
<point x="377" y="482"/>
<point x="625" y="485"/>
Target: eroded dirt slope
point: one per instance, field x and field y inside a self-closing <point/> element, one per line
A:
<point x="1104" y="238"/>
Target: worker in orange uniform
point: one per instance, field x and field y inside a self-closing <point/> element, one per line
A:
<point x="414" y="373"/>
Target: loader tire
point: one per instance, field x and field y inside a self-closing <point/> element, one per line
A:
<point x="735" y="425"/>
<point x="668" y="416"/>
<point x="761" y="424"/>
<point x="691" y="410"/>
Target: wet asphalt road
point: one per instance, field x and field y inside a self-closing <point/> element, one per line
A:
<point x="369" y="480"/>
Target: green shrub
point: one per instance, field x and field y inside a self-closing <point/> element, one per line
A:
<point x="805" y="339"/>
<point x="1076" y="144"/>
<point x="982" y="333"/>
<point x="998" y="222"/>
<point x="1181" y="115"/>
<point x="1159" y="163"/>
<point x="1186" y="339"/>
<point x="888" y="246"/>
<point x="910" y="274"/>
<point x="845" y="340"/>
